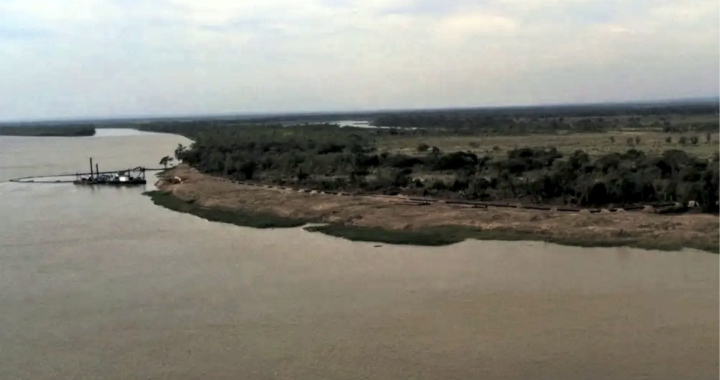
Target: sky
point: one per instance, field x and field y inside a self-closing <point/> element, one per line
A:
<point x="124" y="58"/>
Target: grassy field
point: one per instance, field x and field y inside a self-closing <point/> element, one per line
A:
<point x="595" y="144"/>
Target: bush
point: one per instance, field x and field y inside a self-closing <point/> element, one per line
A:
<point x="402" y="161"/>
<point x="456" y="161"/>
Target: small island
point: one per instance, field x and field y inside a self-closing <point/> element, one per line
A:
<point x="605" y="176"/>
<point x="47" y="131"/>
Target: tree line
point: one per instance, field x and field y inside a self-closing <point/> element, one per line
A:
<point x="48" y="131"/>
<point x="466" y="123"/>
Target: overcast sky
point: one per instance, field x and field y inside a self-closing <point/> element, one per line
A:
<point x="110" y="58"/>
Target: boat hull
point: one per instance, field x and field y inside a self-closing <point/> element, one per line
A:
<point x="112" y="183"/>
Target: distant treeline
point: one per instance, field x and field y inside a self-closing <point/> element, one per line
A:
<point x="591" y="117"/>
<point x="46" y="131"/>
<point x="385" y="118"/>
<point x="678" y="118"/>
<point x="345" y="159"/>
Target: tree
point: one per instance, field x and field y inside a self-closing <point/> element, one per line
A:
<point x="179" y="151"/>
<point x="477" y="188"/>
<point x="630" y="141"/>
<point x="596" y="195"/>
<point x="683" y="140"/>
<point x="637" y="140"/>
<point x="456" y="161"/>
<point x="165" y="161"/>
<point x="708" y="137"/>
<point x="668" y="139"/>
<point x="400" y="178"/>
<point x="612" y="139"/>
<point x="302" y="175"/>
<point x="423" y="147"/>
<point x="694" y="140"/>
<point x="248" y="169"/>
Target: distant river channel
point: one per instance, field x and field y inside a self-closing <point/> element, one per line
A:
<point x="98" y="283"/>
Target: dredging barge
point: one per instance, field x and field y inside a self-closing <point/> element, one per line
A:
<point x="130" y="177"/>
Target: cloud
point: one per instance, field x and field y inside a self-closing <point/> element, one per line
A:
<point x="109" y="58"/>
<point x="460" y="27"/>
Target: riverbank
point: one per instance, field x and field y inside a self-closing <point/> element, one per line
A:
<point x="395" y="220"/>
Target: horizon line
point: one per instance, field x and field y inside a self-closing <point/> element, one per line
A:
<point x="352" y="112"/>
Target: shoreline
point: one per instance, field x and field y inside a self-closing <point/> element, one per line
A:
<point x="394" y="220"/>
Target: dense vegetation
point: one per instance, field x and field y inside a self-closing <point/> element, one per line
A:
<point x="331" y="158"/>
<point x="48" y="131"/>
<point x="326" y="157"/>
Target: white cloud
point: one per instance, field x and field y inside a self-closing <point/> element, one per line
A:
<point x="460" y="27"/>
<point x="122" y="57"/>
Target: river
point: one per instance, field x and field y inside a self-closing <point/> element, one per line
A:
<point x="101" y="284"/>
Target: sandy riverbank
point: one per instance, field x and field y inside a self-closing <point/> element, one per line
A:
<point x="389" y="215"/>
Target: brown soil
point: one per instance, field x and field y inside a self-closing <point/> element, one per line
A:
<point x="397" y="213"/>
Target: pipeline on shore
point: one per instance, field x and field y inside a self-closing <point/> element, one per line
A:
<point x="421" y="201"/>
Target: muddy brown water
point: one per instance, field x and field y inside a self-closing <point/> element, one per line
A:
<point x="101" y="284"/>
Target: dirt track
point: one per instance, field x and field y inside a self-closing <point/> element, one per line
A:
<point x="691" y="230"/>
